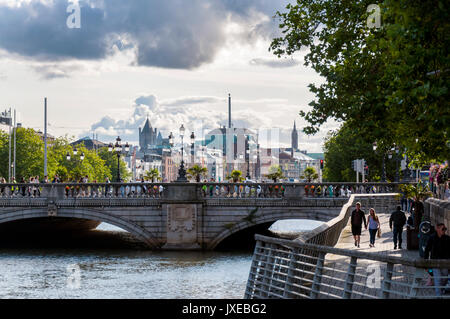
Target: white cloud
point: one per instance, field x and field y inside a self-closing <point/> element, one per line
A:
<point x="203" y="114"/>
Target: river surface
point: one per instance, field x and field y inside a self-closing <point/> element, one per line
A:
<point x="123" y="273"/>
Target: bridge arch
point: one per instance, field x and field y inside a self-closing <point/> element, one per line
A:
<point x="322" y="216"/>
<point x="91" y="214"/>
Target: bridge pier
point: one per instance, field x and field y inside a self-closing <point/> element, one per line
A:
<point x="182" y="226"/>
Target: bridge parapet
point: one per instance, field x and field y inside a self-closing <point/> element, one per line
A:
<point x="193" y="191"/>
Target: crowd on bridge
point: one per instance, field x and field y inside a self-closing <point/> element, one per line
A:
<point x="438" y="180"/>
<point x="25" y="188"/>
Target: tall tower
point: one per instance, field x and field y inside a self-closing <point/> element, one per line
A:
<point x="229" y="110"/>
<point x="294" y="139"/>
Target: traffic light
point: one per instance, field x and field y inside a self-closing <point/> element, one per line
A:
<point x="354" y="165"/>
<point x="366" y="170"/>
<point x="321" y="164"/>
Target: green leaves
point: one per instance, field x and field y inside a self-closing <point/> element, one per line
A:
<point x="275" y="173"/>
<point x="30" y="158"/>
<point x="392" y="80"/>
<point x="310" y="174"/>
<point x="152" y="175"/>
<point x="236" y="176"/>
<point x="197" y="172"/>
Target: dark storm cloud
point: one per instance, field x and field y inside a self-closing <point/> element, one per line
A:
<point x="170" y="34"/>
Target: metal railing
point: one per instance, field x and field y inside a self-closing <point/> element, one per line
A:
<point x="328" y="233"/>
<point x="290" y="269"/>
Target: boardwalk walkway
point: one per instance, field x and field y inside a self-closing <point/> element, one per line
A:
<point x="369" y="273"/>
<point x="384" y="245"/>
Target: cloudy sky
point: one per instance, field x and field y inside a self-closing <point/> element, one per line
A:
<point x="174" y="61"/>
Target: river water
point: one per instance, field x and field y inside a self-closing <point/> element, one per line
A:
<point x="123" y="273"/>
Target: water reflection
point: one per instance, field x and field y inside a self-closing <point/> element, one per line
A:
<point x="123" y="274"/>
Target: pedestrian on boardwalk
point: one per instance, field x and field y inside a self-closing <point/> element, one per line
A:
<point x="438" y="247"/>
<point x="374" y="225"/>
<point x="357" y="218"/>
<point x="398" y="220"/>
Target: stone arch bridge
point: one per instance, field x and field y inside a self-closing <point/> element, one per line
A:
<point x="179" y="216"/>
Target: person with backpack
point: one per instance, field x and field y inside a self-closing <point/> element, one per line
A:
<point x="396" y="223"/>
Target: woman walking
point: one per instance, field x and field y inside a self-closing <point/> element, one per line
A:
<point x="374" y="224"/>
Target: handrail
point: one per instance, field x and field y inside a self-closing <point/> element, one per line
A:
<point x="433" y="263"/>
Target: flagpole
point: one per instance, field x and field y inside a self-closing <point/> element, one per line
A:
<point x="9" y="157"/>
<point x="15" y="129"/>
<point x="45" y="137"/>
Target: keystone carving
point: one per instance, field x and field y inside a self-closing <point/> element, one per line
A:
<point x="52" y="210"/>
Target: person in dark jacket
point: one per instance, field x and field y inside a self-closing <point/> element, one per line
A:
<point x="357" y="218"/>
<point x="438" y="247"/>
<point x="398" y="220"/>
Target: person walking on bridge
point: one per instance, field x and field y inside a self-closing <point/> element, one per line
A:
<point x="374" y="225"/>
<point x="357" y="218"/>
<point x="398" y="220"/>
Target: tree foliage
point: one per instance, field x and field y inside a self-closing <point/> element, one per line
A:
<point x="92" y="166"/>
<point x="197" y="172"/>
<point x="111" y="163"/>
<point x="152" y="175"/>
<point x="30" y="158"/>
<point x="236" y="176"/>
<point x="275" y="173"/>
<point x="29" y="153"/>
<point x="310" y="174"/>
<point x="343" y="146"/>
<point x="391" y="82"/>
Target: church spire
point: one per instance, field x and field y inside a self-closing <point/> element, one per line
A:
<point x="294" y="138"/>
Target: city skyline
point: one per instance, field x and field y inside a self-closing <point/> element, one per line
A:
<point x="111" y="94"/>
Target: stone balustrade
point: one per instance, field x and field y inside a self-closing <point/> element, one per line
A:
<point x="194" y="191"/>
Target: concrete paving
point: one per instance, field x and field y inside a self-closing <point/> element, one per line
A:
<point x="384" y="245"/>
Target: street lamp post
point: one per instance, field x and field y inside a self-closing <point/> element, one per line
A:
<point x="383" y="174"/>
<point x="397" y="177"/>
<point x="75" y="152"/>
<point x="118" y="148"/>
<point x="407" y="172"/>
<point x="192" y="148"/>
<point x="247" y="154"/>
<point x="182" y="171"/>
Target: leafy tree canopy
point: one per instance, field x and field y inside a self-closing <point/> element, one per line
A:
<point x="391" y="82"/>
<point x="110" y="159"/>
<point x="197" y="172"/>
<point x="236" y="176"/>
<point x="275" y="173"/>
<point x="152" y="175"/>
<point x="30" y="159"/>
<point x="310" y="174"/>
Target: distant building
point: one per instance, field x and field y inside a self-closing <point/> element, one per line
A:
<point x="148" y="137"/>
<point x="6" y="121"/>
<point x="89" y="143"/>
<point x="233" y="144"/>
<point x="290" y="166"/>
<point x="294" y="139"/>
